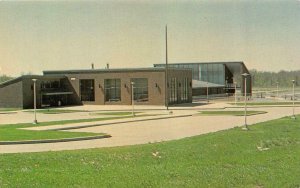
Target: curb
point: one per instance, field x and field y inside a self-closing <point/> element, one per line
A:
<point x="113" y="123"/>
<point x="10" y="112"/>
<point x="263" y="106"/>
<point x="53" y="140"/>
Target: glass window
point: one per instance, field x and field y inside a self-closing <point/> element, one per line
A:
<point x="112" y="90"/>
<point x="87" y="90"/>
<point x="222" y="74"/>
<point x="184" y="90"/>
<point x="203" y="72"/>
<point x="200" y="72"/>
<point x="209" y="73"/>
<point x="50" y="84"/>
<point x="195" y="72"/>
<point x="140" y="89"/>
<point x="173" y="91"/>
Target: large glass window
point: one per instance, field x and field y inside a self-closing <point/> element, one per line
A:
<point x="87" y="90"/>
<point x="203" y="72"/>
<point x="184" y="90"/>
<point x="55" y="84"/>
<point x="173" y="91"/>
<point x="207" y="72"/>
<point x="195" y="71"/>
<point x="222" y="74"/>
<point x="112" y="90"/>
<point x="213" y="73"/>
<point x="140" y="89"/>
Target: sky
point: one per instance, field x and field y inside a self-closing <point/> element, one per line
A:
<point x="55" y="35"/>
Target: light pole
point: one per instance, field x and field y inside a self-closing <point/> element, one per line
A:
<point x="166" y="73"/>
<point x="207" y="92"/>
<point x="245" y="75"/>
<point x="34" y="100"/>
<point x="277" y="88"/>
<point x="235" y="93"/>
<point x="293" y="117"/>
<point x="132" y="98"/>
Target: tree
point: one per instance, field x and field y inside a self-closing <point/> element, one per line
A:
<point x="4" y="78"/>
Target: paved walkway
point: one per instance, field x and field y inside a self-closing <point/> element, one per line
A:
<point x="144" y="132"/>
<point x="27" y="117"/>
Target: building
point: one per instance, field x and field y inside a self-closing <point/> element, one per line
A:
<point x="216" y="77"/>
<point x="99" y="87"/>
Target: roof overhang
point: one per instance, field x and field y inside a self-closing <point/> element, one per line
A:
<point x="237" y="67"/>
<point x="203" y="84"/>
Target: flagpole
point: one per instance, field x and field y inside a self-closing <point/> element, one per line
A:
<point x="166" y="73"/>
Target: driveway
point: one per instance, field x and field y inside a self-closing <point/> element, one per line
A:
<point x="143" y="132"/>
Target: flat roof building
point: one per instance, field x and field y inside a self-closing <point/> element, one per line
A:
<point x="99" y="86"/>
<point x="218" y="77"/>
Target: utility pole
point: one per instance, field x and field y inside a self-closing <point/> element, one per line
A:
<point x="235" y="93"/>
<point x="207" y="100"/>
<point x="245" y="75"/>
<point x="132" y="98"/>
<point x="293" y="117"/>
<point x="34" y="100"/>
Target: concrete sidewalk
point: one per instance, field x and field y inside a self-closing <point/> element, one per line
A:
<point x="27" y="117"/>
<point x="150" y="131"/>
<point x="124" y="119"/>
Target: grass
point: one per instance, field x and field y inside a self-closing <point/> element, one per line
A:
<point x="54" y="111"/>
<point x="61" y="111"/>
<point x="114" y="113"/>
<point x="265" y="103"/>
<point x="231" y="158"/>
<point x="232" y="113"/>
<point x="12" y="132"/>
<point x="9" y="109"/>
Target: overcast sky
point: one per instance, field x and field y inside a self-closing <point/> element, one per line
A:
<point x="37" y="36"/>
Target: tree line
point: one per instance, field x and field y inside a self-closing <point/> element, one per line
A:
<point x="270" y="79"/>
<point x="4" y="78"/>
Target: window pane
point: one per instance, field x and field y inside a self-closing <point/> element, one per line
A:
<point x="87" y="90"/>
<point x="140" y="89"/>
<point x="112" y="89"/>
<point x="173" y="91"/>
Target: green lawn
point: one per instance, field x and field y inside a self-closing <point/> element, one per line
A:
<point x="114" y="113"/>
<point x="55" y="111"/>
<point x="61" y="111"/>
<point x="9" y="109"/>
<point x="13" y="133"/>
<point x="231" y="113"/>
<point x="265" y="156"/>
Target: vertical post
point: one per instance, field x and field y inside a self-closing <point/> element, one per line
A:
<point x="207" y="92"/>
<point x="245" y="100"/>
<point x="132" y="98"/>
<point x="235" y="93"/>
<point x="34" y="100"/>
<point x="245" y="92"/>
<point x="166" y="72"/>
<point x="41" y="100"/>
<point x="294" y="117"/>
